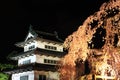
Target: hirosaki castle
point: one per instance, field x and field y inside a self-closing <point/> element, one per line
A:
<point x="41" y="54"/>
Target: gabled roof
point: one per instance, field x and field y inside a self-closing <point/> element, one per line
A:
<point x="31" y="67"/>
<point x="45" y="35"/>
<point x="38" y="51"/>
<point x="33" y="34"/>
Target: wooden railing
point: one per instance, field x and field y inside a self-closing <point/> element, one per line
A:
<point x="98" y="77"/>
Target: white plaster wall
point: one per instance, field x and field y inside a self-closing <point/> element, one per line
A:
<point x="49" y="75"/>
<point x="54" y="75"/>
<point x="41" y="44"/>
<point x="37" y="58"/>
<point x="32" y="58"/>
<point x="51" y="57"/>
<point x="40" y="59"/>
<point x="26" y="48"/>
<point x="29" y="73"/>
<point x="59" y="48"/>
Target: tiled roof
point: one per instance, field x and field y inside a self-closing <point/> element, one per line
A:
<point x="45" y="35"/>
<point x="31" y="67"/>
<point x="51" y="36"/>
<point x="38" y="51"/>
<point x="50" y="53"/>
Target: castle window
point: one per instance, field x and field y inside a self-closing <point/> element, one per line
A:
<point x="42" y="77"/>
<point x="27" y="62"/>
<point x="50" y="47"/>
<point x="55" y="62"/>
<point x="31" y="47"/>
<point x="24" y="77"/>
<point x="50" y="61"/>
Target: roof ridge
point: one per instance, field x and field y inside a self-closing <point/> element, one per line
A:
<point x="45" y="33"/>
<point x="55" y="34"/>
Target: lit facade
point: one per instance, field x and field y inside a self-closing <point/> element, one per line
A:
<point x="38" y="61"/>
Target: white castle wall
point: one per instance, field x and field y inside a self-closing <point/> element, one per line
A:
<point x="30" y="75"/>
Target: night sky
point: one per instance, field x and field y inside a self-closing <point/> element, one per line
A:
<point x="47" y="15"/>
